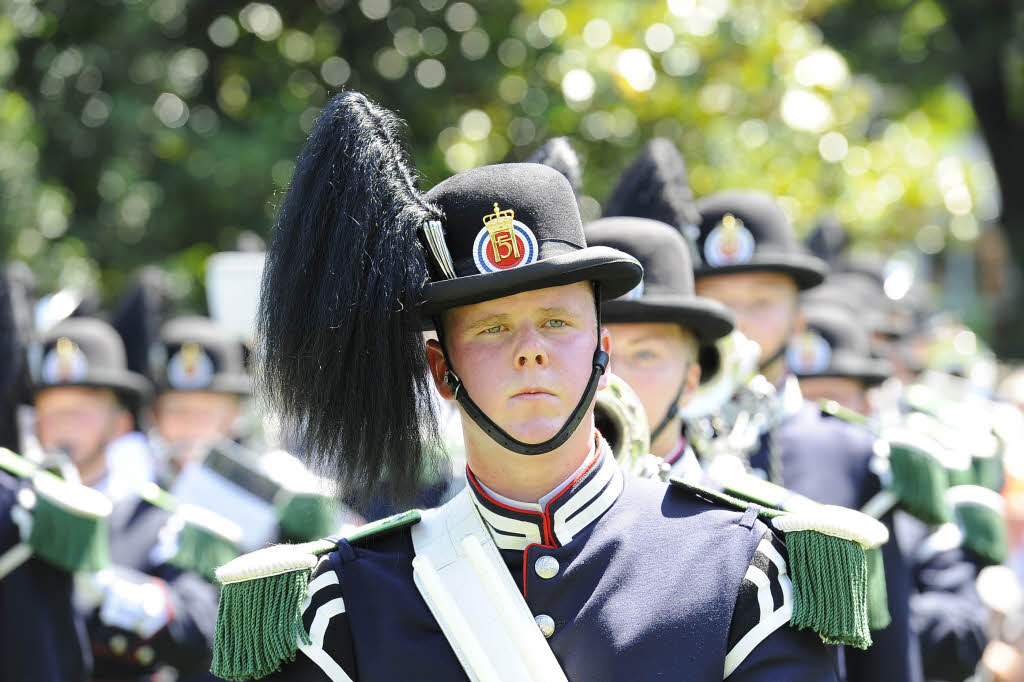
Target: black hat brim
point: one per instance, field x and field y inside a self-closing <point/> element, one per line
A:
<point x="869" y="372"/>
<point x="616" y="273"/>
<point x="133" y="387"/>
<point x="808" y="271"/>
<point x="708" y="320"/>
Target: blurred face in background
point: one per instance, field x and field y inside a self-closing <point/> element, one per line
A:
<point x="766" y="308"/>
<point x="188" y="419"/>
<point x="82" y="422"/>
<point x="656" y="359"/>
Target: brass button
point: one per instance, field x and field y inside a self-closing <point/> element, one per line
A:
<point x="145" y="655"/>
<point x="546" y="567"/>
<point x="546" y="625"/>
<point x="118" y="644"/>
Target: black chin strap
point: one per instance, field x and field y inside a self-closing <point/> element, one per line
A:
<point x="673" y="409"/>
<point x="499" y="435"/>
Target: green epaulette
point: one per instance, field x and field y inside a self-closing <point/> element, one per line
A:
<point x="980" y="514"/>
<point x="202" y="539"/>
<point x="259" y="618"/>
<point x="69" y="520"/>
<point x="918" y="471"/>
<point x="834" y="409"/>
<point x="828" y="549"/>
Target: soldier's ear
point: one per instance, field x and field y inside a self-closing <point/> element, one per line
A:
<point x="438" y="367"/>
<point x="606" y="346"/>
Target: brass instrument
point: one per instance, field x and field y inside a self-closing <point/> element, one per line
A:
<point x="620" y="417"/>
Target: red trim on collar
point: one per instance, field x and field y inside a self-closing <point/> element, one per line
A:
<point x="674" y="456"/>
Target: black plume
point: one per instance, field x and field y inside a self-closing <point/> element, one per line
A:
<point x="828" y="239"/>
<point x="559" y="154"/>
<point x="15" y="333"/>
<point x="655" y="186"/>
<point x="339" y="352"/>
<point x="138" y="314"/>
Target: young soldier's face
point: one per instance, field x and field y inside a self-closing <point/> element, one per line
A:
<point x="850" y="393"/>
<point x="764" y="303"/>
<point x="525" y="359"/>
<point x="81" y="421"/>
<point x="654" y="358"/>
<point x="186" y="419"/>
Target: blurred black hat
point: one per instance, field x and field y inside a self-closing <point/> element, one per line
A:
<point x="138" y="314"/>
<point x="748" y="232"/>
<point x="835" y="344"/>
<point x="655" y="186"/>
<point x="85" y="351"/>
<point x="828" y="239"/>
<point x="196" y="354"/>
<point x="558" y="153"/>
<point x="666" y="292"/>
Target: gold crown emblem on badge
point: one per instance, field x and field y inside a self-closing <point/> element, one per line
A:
<point x="66" y="352"/>
<point x="190" y="353"/>
<point x="501" y="226"/>
<point x="730" y="229"/>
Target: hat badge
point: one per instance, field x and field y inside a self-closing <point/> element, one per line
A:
<point x="503" y="243"/>
<point x="190" y="369"/>
<point x="811" y="353"/>
<point x="729" y="243"/>
<point x="65" y="363"/>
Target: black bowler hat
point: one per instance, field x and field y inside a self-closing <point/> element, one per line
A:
<point x="196" y="354"/>
<point x="84" y="351"/>
<point x="666" y="292"/>
<point x="835" y="344"/>
<point x="748" y="232"/>
<point x="510" y="228"/>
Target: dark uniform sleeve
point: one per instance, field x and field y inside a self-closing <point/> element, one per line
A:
<point x="330" y="657"/>
<point x="762" y="646"/>
<point x="946" y="611"/>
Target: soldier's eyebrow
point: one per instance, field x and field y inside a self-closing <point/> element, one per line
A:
<point x="489" y="321"/>
<point x="560" y="313"/>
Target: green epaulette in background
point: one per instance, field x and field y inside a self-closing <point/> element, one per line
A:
<point x="834" y="409"/>
<point x="828" y="551"/>
<point x="200" y="540"/>
<point x="70" y="522"/>
<point x="259" y="618"/>
<point x="980" y="514"/>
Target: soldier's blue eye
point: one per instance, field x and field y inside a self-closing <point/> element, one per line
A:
<point x="556" y="323"/>
<point x="493" y="330"/>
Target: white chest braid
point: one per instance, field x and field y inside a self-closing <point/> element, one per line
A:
<point x="470" y="592"/>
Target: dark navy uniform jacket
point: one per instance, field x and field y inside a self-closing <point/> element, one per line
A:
<point x="41" y="637"/>
<point x="827" y="459"/>
<point x="946" y="611"/>
<point x="185" y="643"/>
<point x="652" y="583"/>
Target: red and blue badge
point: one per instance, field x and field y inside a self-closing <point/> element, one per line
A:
<point x="730" y="243"/>
<point x="503" y="243"/>
<point x="65" y="363"/>
<point x="811" y="353"/>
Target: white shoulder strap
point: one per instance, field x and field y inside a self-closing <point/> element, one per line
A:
<point x="468" y="588"/>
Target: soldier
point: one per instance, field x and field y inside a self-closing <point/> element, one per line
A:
<point x="542" y="568"/>
<point x="833" y="362"/>
<point x="201" y="379"/>
<point x="146" y="611"/>
<point x="658" y="328"/>
<point x="41" y="636"/>
<point x="746" y="256"/>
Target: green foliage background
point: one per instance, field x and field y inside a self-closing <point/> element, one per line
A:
<point x="136" y="131"/>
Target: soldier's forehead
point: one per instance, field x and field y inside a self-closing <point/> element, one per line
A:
<point x="577" y="297"/>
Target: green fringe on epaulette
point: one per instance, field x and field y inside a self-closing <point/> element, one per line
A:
<point x="878" y="596"/>
<point x="920" y="482"/>
<point x="68" y="540"/>
<point x="202" y="551"/>
<point x="830" y="587"/>
<point x="988" y="472"/>
<point x="259" y="620"/>
<point x="307" y="516"/>
<point x="984" y="531"/>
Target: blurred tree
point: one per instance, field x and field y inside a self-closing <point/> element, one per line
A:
<point x="917" y="47"/>
<point x="166" y="128"/>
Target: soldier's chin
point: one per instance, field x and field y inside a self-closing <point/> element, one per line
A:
<point x="536" y="430"/>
